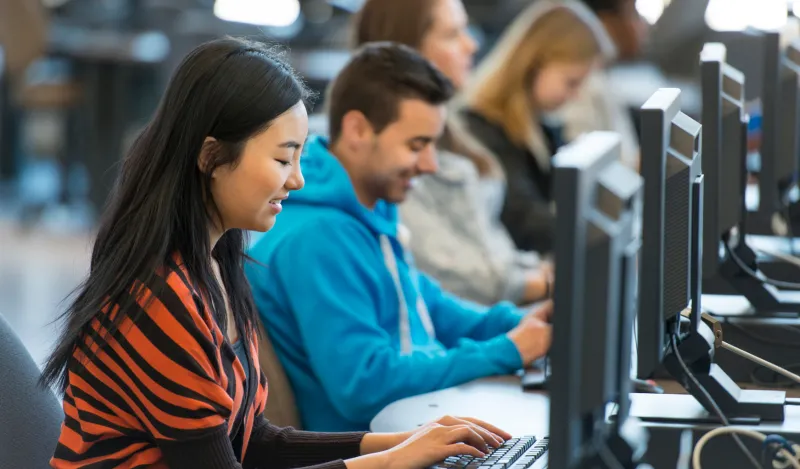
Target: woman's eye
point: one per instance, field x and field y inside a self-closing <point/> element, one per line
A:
<point x="284" y="162"/>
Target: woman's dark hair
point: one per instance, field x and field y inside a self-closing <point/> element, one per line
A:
<point x="229" y="89"/>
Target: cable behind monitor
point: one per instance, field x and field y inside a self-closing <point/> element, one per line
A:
<point x="711" y="401"/>
<point x="760" y="277"/>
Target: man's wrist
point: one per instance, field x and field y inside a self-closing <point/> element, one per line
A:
<point x="536" y="288"/>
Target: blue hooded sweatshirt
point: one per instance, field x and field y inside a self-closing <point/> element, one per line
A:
<point x="354" y="324"/>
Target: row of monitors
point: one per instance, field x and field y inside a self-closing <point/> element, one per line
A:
<point x="631" y="245"/>
<point x="622" y="244"/>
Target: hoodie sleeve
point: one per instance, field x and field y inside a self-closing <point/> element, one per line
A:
<point x="336" y="300"/>
<point x="455" y="319"/>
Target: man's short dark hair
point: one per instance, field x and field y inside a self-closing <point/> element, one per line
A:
<point x="378" y="77"/>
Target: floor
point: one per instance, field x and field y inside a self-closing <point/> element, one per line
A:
<point x="38" y="270"/>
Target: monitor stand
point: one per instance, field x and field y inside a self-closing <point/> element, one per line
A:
<point x="774" y="255"/>
<point x="767" y="300"/>
<point x="678" y="409"/>
<point x="697" y="352"/>
<point x="626" y="443"/>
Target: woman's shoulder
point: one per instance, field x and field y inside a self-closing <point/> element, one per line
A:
<point x="479" y="125"/>
<point x="174" y="276"/>
<point x="489" y="134"/>
<point x="168" y="306"/>
<point x="179" y="291"/>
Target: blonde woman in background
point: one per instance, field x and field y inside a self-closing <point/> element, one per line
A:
<point x="599" y="106"/>
<point x="454" y="215"/>
<point x="537" y="66"/>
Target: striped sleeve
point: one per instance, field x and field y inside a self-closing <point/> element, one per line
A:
<point x="163" y="368"/>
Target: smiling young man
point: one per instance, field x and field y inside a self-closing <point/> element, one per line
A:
<point x="355" y="325"/>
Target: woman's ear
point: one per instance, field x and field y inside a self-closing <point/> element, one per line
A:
<point x="207" y="152"/>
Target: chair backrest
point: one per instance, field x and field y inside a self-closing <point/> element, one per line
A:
<point x="30" y="417"/>
<point x="281" y="408"/>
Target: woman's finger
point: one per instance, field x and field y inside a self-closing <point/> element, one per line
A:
<point x="504" y="435"/>
<point x="490" y="438"/>
<point x="459" y="449"/>
<point x="465" y="434"/>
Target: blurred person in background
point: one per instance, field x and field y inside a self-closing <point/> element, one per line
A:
<point x="157" y="361"/>
<point x="354" y="323"/>
<point x="536" y="67"/>
<point x="23" y="36"/>
<point x="597" y="106"/>
<point x="453" y="215"/>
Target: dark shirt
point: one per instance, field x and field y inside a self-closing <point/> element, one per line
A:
<point x="241" y="353"/>
<point x="527" y="210"/>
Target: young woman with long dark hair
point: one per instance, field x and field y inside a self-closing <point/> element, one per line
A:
<point x="157" y="359"/>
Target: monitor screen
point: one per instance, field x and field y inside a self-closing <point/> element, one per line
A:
<point x="786" y="154"/>
<point x="723" y="163"/>
<point x="597" y="243"/>
<point x="670" y="163"/>
<point x="769" y="170"/>
<point x="732" y="173"/>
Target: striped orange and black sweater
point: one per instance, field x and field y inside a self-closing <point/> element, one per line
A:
<point x="167" y="391"/>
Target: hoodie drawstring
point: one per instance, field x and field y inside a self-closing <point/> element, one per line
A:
<point x="422" y="309"/>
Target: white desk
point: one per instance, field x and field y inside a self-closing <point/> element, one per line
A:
<point x="499" y="401"/>
<point x="502" y="402"/>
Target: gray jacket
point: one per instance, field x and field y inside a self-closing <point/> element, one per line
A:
<point x="457" y="237"/>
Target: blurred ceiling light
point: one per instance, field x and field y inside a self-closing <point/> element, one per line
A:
<point x="768" y="15"/>
<point x="276" y="13"/>
<point x="651" y="10"/>
<point x="738" y="15"/>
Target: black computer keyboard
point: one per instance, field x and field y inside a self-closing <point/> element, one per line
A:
<point x="517" y="453"/>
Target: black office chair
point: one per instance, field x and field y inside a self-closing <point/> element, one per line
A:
<point x="30" y="417"/>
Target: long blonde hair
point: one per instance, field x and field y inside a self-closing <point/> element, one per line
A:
<point x="546" y="32"/>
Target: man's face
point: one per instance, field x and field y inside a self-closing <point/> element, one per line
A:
<point x="405" y="149"/>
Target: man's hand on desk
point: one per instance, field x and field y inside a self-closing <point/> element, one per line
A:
<point x="532" y="336"/>
<point x="539" y="284"/>
<point x="542" y="312"/>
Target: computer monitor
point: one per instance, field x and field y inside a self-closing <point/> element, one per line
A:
<point x="726" y="219"/>
<point x="724" y="124"/>
<point x="788" y="152"/>
<point x="671" y="267"/>
<point x="770" y="171"/>
<point x="670" y="164"/>
<point x="599" y="206"/>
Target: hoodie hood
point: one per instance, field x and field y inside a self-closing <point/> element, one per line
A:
<point x="329" y="185"/>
